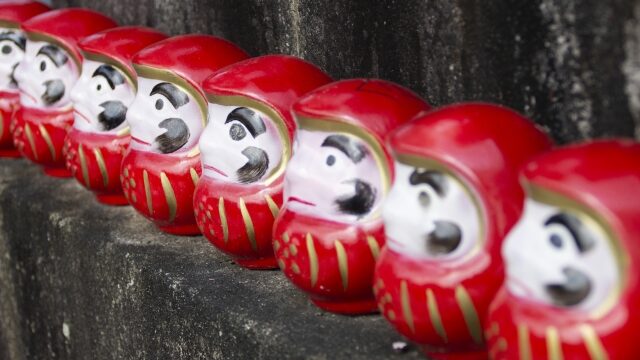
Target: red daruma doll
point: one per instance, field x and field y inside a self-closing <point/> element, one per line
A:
<point x="50" y="68"/>
<point x="12" y="47"/>
<point x="245" y="149"/>
<point x="572" y="261"/>
<point x="329" y="233"/>
<point x="455" y="196"/>
<point x="101" y="97"/>
<point x="162" y="167"/>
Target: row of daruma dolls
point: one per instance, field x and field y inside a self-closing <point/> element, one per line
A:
<point x="461" y="225"/>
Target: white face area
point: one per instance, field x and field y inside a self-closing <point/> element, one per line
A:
<point x="429" y="215"/>
<point x="239" y="145"/>
<point x="554" y="257"/>
<point x="46" y="75"/>
<point x="333" y="176"/>
<point x="12" y="46"/>
<point x="101" y="98"/>
<point x="164" y="118"/>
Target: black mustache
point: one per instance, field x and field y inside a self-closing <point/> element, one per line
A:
<point x="113" y="115"/>
<point x="444" y="239"/>
<point x="13" y="82"/>
<point x="175" y="137"/>
<point x="360" y="203"/>
<point x="54" y="91"/>
<point x="256" y="166"/>
<point x="571" y="292"/>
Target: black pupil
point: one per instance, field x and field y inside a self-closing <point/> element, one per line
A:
<point x="423" y="198"/>
<point x="237" y="132"/>
<point x="331" y="160"/>
<point x="556" y="240"/>
<point x="43" y="65"/>
<point x="159" y="104"/>
<point x="6" y="49"/>
<point x="99" y="87"/>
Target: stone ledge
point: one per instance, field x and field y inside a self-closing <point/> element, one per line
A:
<point x="79" y="280"/>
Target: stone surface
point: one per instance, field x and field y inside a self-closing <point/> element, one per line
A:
<point x="571" y="65"/>
<point x="80" y="280"/>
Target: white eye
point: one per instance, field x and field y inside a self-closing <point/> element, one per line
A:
<point x="99" y="85"/>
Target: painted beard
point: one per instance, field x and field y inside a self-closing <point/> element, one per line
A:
<point x="571" y="292"/>
<point x="256" y="166"/>
<point x="359" y="204"/>
<point x="113" y="115"/>
<point x="444" y="239"/>
<point x="175" y="137"/>
<point x="54" y="91"/>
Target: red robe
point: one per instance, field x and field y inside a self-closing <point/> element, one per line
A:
<point x="333" y="262"/>
<point x="9" y="104"/>
<point x="39" y="135"/>
<point x="238" y="219"/>
<point x="520" y="328"/>
<point x="441" y="306"/>
<point x="94" y="160"/>
<point x="161" y="186"/>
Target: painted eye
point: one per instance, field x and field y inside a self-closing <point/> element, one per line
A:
<point x="6" y="49"/>
<point x="43" y="65"/>
<point x="331" y="160"/>
<point x="237" y="132"/>
<point x="556" y="241"/>
<point x="159" y="104"/>
<point x="99" y="87"/>
<point x="424" y="199"/>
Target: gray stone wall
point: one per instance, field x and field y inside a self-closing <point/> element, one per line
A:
<point x="571" y="65"/>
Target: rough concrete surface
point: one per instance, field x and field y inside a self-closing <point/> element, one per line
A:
<point x="571" y="65"/>
<point x="80" y="280"/>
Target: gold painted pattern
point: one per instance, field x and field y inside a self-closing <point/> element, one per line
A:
<point x="83" y="165"/>
<point x="169" y="195"/>
<point x="498" y="347"/>
<point x="285" y="237"/>
<point x="313" y="259"/>
<point x="524" y="344"/>
<point x="434" y="314"/>
<point x="407" y="313"/>
<point x="469" y="313"/>
<point x="102" y="166"/>
<point x="272" y="206"/>
<point x="248" y="224"/>
<point x="32" y="143"/>
<point x="194" y="176"/>
<point x="373" y="246"/>
<point x="47" y="139"/>
<point x="147" y="190"/>
<point x="343" y="264"/>
<point x="554" y="348"/>
<point x="223" y="220"/>
<point x="593" y="344"/>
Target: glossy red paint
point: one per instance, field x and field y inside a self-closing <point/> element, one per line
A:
<point x="12" y="15"/>
<point x="169" y="203"/>
<point x="9" y="105"/>
<point x="602" y="177"/>
<point x="68" y="27"/>
<point x="334" y="262"/>
<point x="39" y="135"/>
<point x="483" y="145"/>
<point x="103" y="153"/>
<point x="94" y="160"/>
<point x="274" y="81"/>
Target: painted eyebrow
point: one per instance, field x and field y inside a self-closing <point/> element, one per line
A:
<point x="19" y="39"/>
<point x="112" y="75"/>
<point x="349" y="147"/>
<point x="432" y="178"/>
<point x="175" y="96"/>
<point x="581" y="237"/>
<point x="249" y="119"/>
<point x="55" y="54"/>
